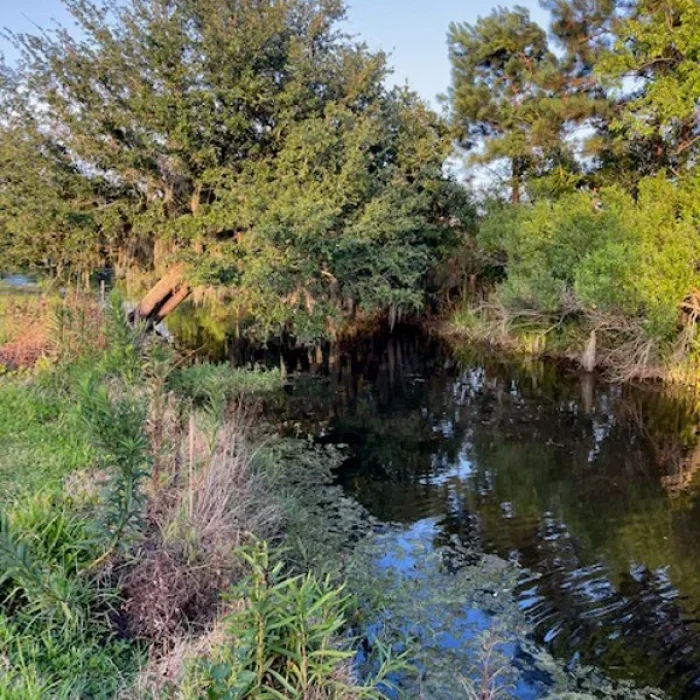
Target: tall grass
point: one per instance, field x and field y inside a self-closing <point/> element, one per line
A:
<point x="56" y="635"/>
<point x="101" y="565"/>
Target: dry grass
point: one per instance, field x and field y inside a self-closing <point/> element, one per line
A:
<point x="166" y="671"/>
<point x="35" y="325"/>
<point x="623" y="350"/>
<point x="208" y="502"/>
<point x="24" y="334"/>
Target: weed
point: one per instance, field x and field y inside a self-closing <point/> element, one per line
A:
<point x="491" y="677"/>
<point x="213" y="384"/>
<point x="321" y="525"/>
<point x="287" y="639"/>
<point x="116" y="426"/>
<point x="196" y="522"/>
<point x="55" y="631"/>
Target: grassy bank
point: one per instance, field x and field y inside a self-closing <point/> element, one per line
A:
<point x="154" y="539"/>
<point x="614" y="346"/>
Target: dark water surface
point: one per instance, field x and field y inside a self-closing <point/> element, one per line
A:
<point x="589" y="486"/>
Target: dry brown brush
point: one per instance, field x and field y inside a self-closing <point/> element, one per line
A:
<point x="210" y="503"/>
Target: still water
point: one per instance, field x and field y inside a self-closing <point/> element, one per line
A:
<point x="590" y="487"/>
<point x="594" y="489"/>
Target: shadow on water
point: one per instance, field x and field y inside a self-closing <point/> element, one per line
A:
<point x="591" y="487"/>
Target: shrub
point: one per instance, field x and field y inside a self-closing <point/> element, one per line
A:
<point x="209" y="384"/>
<point x="605" y="253"/>
<point x="116" y="425"/>
<point x="287" y="640"/>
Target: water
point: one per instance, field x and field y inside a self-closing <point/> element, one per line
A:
<point x="19" y="281"/>
<point x="590" y="487"/>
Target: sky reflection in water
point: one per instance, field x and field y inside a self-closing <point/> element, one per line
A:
<point x="591" y="487"/>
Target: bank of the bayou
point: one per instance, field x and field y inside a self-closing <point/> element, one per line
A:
<point x="616" y="349"/>
<point x="160" y="539"/>
<point x="157" y="539"/>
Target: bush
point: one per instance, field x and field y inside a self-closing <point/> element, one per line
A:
<point x="208" y="384"/>
<point x="286" y="640"/>
<point x="606" y="253"/>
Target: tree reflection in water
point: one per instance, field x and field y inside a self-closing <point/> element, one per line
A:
<point x="589" y="486"/>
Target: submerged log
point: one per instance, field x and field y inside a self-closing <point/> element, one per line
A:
<point x="164" y="297"/>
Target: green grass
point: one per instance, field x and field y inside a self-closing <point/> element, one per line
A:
<point x="41" y="436"/>
<point x="203" y="383"/>
<point x="55" y="633"/>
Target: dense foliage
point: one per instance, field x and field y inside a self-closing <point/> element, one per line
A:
<point x="259" y="144"/>
<point x="252" y="139"/>
<point x="613" y="253"/>
<point x="599" y="125"/>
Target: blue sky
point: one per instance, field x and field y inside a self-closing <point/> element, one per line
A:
<point x="413" y="31"/>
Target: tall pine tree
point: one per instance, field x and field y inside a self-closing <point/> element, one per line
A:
<point x="508" y="97"/>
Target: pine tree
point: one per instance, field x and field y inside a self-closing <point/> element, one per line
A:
<point x="640" y="62"/>
<point x="506" y="93"/>
<point x="657" y="50"/>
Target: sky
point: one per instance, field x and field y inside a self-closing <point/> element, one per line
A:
<point x="412" y="31"/>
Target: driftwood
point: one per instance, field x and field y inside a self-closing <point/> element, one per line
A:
<point x="164" y="297"/>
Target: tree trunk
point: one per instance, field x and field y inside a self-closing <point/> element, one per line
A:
<point x="588" y="359"/>
<point x="173" y="301"/>
<point x="168" y="293"/>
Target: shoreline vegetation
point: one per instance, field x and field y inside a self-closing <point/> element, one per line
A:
<point x="159" y="539"/>
<point x="584" y="346"/>
<point x="149" y="531"/>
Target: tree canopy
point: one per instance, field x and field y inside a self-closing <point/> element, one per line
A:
<point x="257" y="146"/>
<point x="252" y="139"/>
<point x="617" y="82"/>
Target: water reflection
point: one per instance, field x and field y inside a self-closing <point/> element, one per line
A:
<point x="589" y="486"/>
